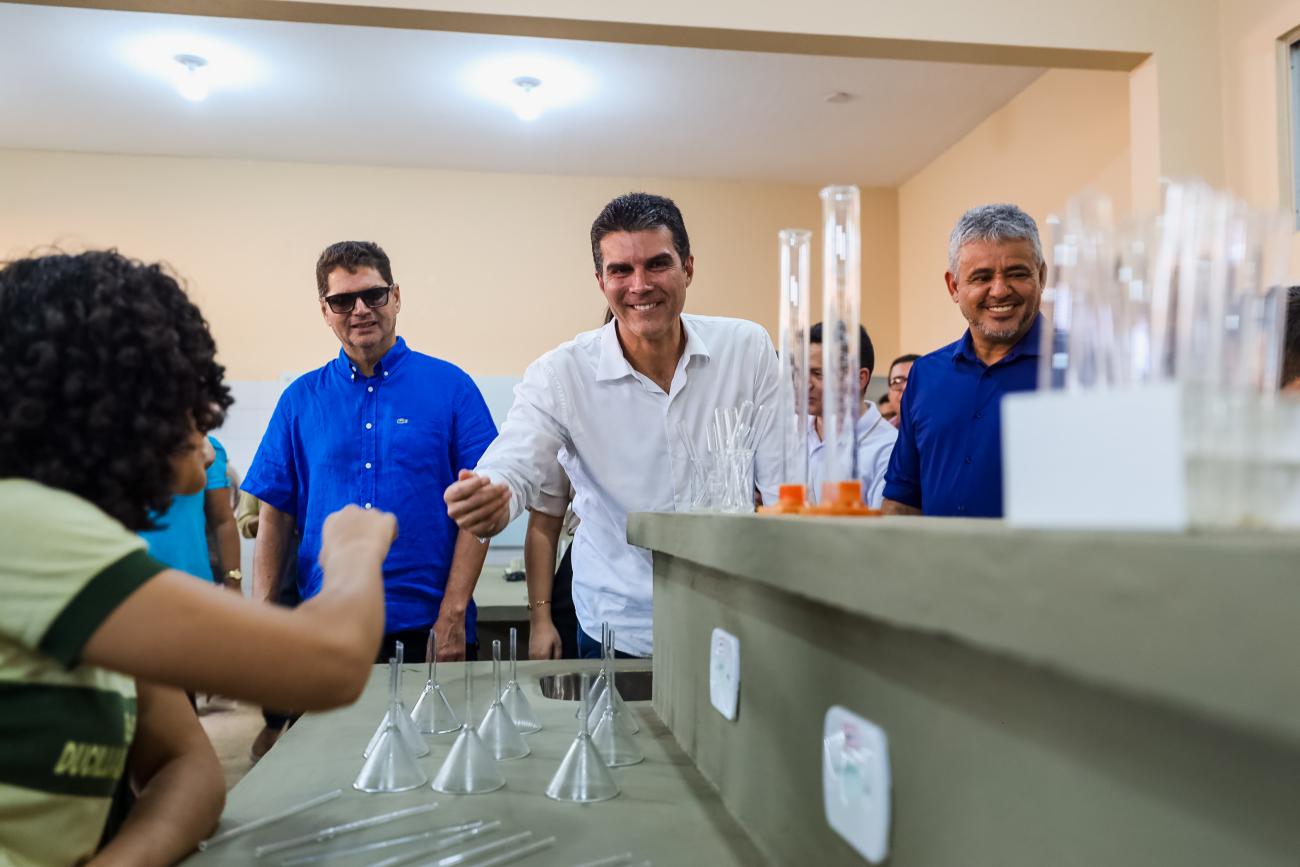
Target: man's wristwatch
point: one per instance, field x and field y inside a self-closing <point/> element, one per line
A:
<point x="234" y="576"/>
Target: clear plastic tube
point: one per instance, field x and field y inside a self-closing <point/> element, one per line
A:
<point x="841" y="294"/>
<point x="792" y="399"/>
<point x="609" y="861"/>
<point x="441" y="845"/>
<point x="337" y="830"/>
<point x="449" y="836"/>
<point x="515" y="854"/>
<point x="1054" y="354"/>
<point x="464" y="857"/>
<point x="240" y="830"/>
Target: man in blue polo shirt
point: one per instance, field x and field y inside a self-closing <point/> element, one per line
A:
<point x="384" y="427"/>
<point x="948" y="458"/>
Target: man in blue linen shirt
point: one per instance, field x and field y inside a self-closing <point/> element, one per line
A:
<point x="383" y="427"/>
<point x="948" y="458"/>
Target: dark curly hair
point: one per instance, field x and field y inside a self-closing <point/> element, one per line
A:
<point x="105" y="363"/>
<point x="637" y="212"/>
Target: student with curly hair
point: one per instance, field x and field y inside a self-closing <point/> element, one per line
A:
<point x="110" y="380"/>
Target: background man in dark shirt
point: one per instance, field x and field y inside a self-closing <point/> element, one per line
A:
<point x="948" y="458"/>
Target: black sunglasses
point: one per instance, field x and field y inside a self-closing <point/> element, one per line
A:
<point x="344" y="302"/>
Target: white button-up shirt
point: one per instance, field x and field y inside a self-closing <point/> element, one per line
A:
<point x="622" y="451"/>
<point x="876" y="438"/>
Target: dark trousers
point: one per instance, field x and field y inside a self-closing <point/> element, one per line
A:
<point x="287" y="595"/>
<point x="415" y="644"/>
<point x="563" y="614"/>
<point x="589" y="648"/>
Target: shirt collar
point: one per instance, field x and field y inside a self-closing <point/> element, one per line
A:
<point x="391" y="360"/>
<point x="1027" y="345"/>
<point x="864" y="425"/>
<point x="869" y="419"/>
<point x="612" y="364"/>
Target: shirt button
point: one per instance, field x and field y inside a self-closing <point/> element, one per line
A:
<point x="959" y="508"/>
<point x="968" y="459"/>
<point x="367" y="505"/>
<point x="367" y="464"/>
<point x="369" y="425"/>
<point x="372" y="388"/>
<point x="979" y="415"/>
<point x="385" y="373"/>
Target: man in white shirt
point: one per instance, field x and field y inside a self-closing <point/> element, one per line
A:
<point x="613" y="400"/>
<point x="875" y="435"/>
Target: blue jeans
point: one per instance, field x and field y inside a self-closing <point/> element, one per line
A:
<point x="589" y="648"/>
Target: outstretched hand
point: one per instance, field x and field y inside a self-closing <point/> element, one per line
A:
<point x="478" y="506"/>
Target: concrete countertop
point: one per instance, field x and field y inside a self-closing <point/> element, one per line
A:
<point x="666" y="812"/>
<point x="1207" y="622"/>
<point x="499" y="600"/>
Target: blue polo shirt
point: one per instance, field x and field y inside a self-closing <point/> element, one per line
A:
<point x="394" y="441"/>
<point x="948" y="458"/>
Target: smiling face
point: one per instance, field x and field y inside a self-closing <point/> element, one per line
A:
<point x="365" y="332"/>
<point x="997" y="286"/>
<point x="644" y="283"/>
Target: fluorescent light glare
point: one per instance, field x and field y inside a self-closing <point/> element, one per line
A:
<point x="192" y="80"/>
<point x="527" y="102"/>
<point x="528" y="84"/>
<point x="193" y="63"/>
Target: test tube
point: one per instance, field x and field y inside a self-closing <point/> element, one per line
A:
<point x="1053" y="356"/>
<point x="841" y="276"/>
<point x="792" y="400"/>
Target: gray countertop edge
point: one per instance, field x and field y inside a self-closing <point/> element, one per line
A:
<point x="1205" y="622"/>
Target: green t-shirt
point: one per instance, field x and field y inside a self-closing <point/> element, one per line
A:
<point x="65" y="727"/>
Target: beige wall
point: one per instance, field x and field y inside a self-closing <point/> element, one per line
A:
<point x="1256" y="138"/>
<point x="495" y="269"/>
<point x="1067" y="131"/>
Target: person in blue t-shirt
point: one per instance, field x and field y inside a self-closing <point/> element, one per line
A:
<point x="383" y="427"/>
<point x="180" y="537"/>
<point x="948" y="458"/>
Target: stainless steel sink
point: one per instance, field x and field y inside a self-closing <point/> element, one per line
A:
<point x="632" y="685"/>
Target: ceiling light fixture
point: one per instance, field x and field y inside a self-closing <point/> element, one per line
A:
<point x="193" y="63"/>
<point x="192" y="81"/>
<point x="514" y="81"/>
<point x="527" y="102"/>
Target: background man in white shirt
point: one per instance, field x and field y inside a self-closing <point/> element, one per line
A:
<point x="614" y="400"/>
<point x="874" y="435"/>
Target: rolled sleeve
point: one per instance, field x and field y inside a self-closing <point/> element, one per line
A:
<point x="554" y="493"/>
<point x="522" y="455"/>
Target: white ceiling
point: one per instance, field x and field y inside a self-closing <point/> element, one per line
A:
<point x="326" y="93"/>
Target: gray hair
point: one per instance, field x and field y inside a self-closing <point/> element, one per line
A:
<point x="998" y="223"/>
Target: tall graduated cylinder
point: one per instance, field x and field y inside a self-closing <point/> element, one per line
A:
<point x="841" y="261"/>
<point x="792" y="399"/>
